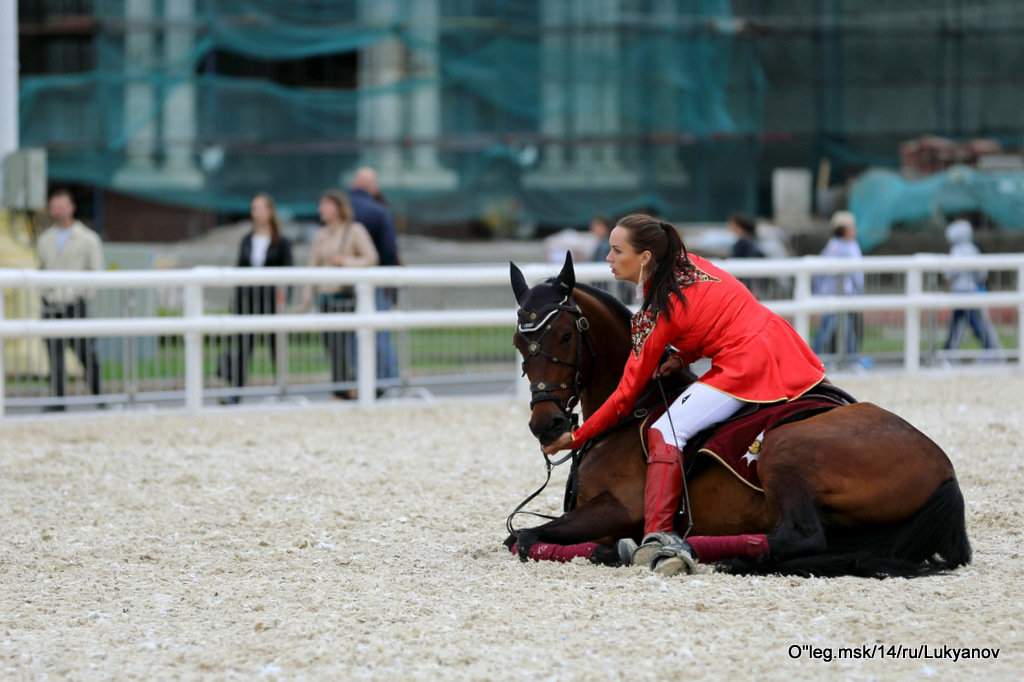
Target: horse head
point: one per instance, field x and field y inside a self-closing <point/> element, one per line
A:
<point x="551" y="335"/>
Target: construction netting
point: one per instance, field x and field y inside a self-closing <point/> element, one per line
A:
<point x="511" y="112"/>
<point x="882" y="199"/>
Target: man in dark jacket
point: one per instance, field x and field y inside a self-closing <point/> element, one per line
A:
<point x="374" y="214"/>
<point x="370" y="210"/>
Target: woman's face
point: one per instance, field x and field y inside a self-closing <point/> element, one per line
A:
<point x="625" y="261"/>
<point x="259" y="209"/>
<point x="328" y="211"/>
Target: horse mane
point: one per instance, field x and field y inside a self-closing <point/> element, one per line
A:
<point x="617" y="307"/>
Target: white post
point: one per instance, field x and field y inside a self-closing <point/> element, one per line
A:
<point x="8" y="85"/>
<point x="802" y="292"/>
<point x="3" y="349"/>
<point x="193" y="350"/>
<point x="1020" y="318"/>
<point x="912" y="336"/>
<point x="366" y="345"/>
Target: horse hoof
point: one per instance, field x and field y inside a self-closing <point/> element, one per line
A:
<point x="674" y="559"/>
<point x="626" y="548"/>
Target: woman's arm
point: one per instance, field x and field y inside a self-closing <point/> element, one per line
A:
<point x="360" y="251"/>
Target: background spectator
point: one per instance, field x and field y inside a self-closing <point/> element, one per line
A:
<point x="341" y="242"/>
<point x="960" y="236"/>
<point x="263" y="246"/>
<point x="745" y="246"/>
<point x="843" y="244"/>
<point x="370" y="208"/>
<point x="68" y="245"/>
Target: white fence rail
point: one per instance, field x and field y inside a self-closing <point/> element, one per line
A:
<point x="908" y="288"/>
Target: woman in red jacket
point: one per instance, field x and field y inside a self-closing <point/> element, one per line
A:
<point x="701" y="311"/>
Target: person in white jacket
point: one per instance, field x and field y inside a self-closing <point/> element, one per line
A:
<point x="960" y="236"/>
<point x="842" y="244"/>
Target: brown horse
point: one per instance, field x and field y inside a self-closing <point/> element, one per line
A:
<point x="852" y="490"/>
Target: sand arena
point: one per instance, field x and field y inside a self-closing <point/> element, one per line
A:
<point x="334" y="543"/>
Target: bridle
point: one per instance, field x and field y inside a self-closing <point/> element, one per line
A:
<point x="542" y="391"/>
<point x="544" y="321"/>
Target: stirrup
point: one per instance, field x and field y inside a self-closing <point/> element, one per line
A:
<point x="674" y="559"/>
<point x="651" y="545"/>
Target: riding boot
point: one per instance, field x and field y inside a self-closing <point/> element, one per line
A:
<point x="662" y="490"/>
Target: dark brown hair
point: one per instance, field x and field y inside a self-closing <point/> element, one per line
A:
<point x="662" y="239"/>
<point x="746" y="224"/>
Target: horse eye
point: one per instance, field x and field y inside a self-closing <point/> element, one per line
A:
<point x="566" y="337"/>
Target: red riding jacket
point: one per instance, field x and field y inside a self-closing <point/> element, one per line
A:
<point x="756" y="355"/>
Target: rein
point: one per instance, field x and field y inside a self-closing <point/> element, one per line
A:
<point x="576" y="456"/>
<point x="549" y="466"/>
<point x="541" y="391"/>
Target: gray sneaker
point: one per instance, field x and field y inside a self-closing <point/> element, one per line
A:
<point x="651" y="545"/>
<point x="674" y="559"/>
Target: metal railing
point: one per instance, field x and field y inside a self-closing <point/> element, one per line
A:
<point x="159" y="333"/>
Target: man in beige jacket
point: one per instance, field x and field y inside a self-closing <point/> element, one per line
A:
<point x="68" y="245"/>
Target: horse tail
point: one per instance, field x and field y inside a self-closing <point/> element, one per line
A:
<point x="931" y="541"/>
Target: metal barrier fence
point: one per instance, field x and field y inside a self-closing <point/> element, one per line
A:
<point x="170" y="338"/>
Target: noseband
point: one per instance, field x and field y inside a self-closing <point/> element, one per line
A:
<point x="544" y="321"/>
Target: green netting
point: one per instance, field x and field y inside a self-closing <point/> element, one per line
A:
<point x="883" y="198"/>
<point x="508" y="111"/>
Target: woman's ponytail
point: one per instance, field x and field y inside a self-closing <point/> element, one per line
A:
<point x="667" y="252"/>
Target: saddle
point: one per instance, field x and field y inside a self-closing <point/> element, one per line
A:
<point x="736" y="442"/>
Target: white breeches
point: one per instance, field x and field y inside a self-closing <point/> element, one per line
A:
<point x="697" y="408"/>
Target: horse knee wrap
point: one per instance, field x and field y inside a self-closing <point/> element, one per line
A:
<point x="710" y="548"/>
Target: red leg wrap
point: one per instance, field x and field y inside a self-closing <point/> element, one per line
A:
<point x="543" y="551"/>
<point x="663" y="486"/>
<point x="710" y="548"/>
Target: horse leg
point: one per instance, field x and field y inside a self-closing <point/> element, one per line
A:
<point x="798" y="533"/>
<point x="730" y="519"/>
<point x="601" y="520"/>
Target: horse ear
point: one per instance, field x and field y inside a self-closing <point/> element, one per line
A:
<point x="567" y="277"/>
<point x="518" y="281"/>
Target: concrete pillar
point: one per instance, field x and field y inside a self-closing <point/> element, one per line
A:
<point x="666" y="167"/>
<point x="425" y="101"/>
<point x="380" y="115"/>
<point x="8" y="83"/>
<point x="139" y="99"/>
<point x="555" y="94"/>
<point x="179" y="127"/>
<point x="581" y="96"/>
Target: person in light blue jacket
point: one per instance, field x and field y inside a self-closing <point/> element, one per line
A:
<point x="960" y="236"/>
<point x="843" y="244"/>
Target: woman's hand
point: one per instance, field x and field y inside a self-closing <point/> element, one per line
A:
<point x="672" y="365"/>
<point x="564" y="442"/>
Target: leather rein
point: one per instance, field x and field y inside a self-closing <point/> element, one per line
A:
<point x="542" y="391"/>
